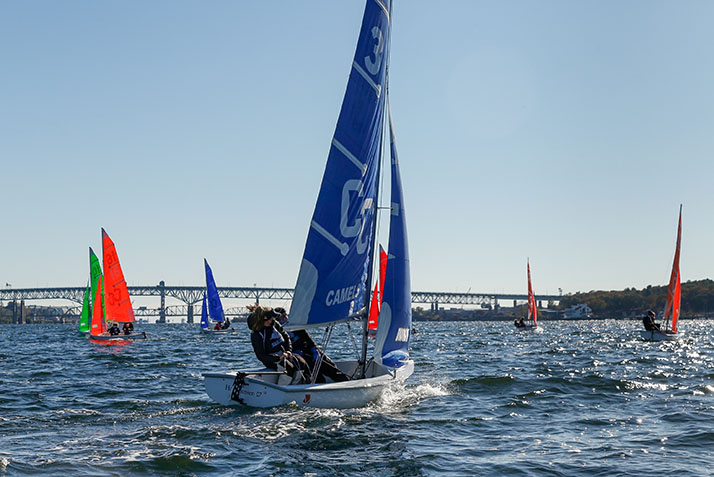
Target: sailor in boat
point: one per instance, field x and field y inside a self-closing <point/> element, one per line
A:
<point x="272" y="345"/>
<point x="226" y="324"/>
<point x="127" y="328"/>
<point x="114" y="329"/>
<point x="218" y="326"/>
<point x="304" y="346"/>
<point x="649" y="321"/>
<point x="519" y="323"/>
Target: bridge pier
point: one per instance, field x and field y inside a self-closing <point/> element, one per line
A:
<point x="189" y="317"/>
<point x="162" y="309"/>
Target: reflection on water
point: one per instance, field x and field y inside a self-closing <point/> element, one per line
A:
<point x="582" y="398"/>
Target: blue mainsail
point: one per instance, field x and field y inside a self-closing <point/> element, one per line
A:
<point x="395" y="316"/>
<point x="331" y="284"/>
<point x="204" y="313"/>
<point x="215" y="308"/>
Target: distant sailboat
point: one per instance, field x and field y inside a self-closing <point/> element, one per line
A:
<point x="531" y="322"/>
<point x="117" y="303"/>
<point x="674" y="298"/>
<point x="377" y="294"/>
<point x="98" y="329"/>
<point x="336" y="270"/>
<point x="95" y="273"/>
<point x="214" y="310"/>
<point x="84" y="319"/>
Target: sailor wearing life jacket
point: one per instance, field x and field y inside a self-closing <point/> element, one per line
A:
<point x="271" y="344"/>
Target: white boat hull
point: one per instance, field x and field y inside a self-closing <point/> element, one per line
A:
<point x="207" y="331"/>
<point x="660" y="335"/>
<point x="263" y="390"/>
<point x="534" y="329"/>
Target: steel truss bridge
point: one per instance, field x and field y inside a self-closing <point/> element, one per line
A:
<point x="192" y="295"/>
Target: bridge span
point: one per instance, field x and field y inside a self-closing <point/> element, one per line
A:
<point x="191" y="295"/>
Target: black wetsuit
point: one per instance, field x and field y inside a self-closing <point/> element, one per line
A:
<point x="650" y="324"/>
<point x="270" y="343"/>
<point x="304" y="345"/>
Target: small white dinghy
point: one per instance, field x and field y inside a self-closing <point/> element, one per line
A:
<point x="209" y="331"/>
<point x="261" y="388"/>
<point x="335" y="276"/>
<point x="674" y="299"/>
<point x="665" y="335"/>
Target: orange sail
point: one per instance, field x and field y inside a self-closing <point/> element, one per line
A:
<point x="98" y="327"/>
<point x="532" y="310"/>
<point x="377" y="296"/>
<point x="116" y="294"/>
<point x="674" y="290"/>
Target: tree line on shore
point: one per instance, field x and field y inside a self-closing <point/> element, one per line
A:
<point x="697" y="299"/>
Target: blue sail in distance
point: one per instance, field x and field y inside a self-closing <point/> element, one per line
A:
<point x="204" y="313"/>
<point x="215" y="308"/>
<point x="331" y="284"/>
<point x="395" y="317"/>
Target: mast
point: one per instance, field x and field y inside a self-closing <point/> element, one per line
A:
<point x="372" y="245"/>
<point x="373" y="239"/>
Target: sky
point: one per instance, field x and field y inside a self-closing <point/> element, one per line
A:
<point x="564" y="133"/>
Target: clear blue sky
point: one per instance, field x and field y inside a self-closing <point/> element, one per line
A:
<point x="567" y="132"/>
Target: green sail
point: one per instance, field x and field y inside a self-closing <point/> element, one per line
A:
<point x="84" y="319"/>
<point x="95" y="271"/>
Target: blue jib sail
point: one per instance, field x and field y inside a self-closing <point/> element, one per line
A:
<point x="204" y="313"/>
<point x="215" y="308"/>
<point x="331" y="282"/>
<point x="395" y="316"/>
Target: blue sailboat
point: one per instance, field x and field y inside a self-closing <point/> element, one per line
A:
<point x="335" y="276"/>
<point x="212" y="308"/>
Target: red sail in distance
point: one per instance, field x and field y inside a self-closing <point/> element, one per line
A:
<point x="116" y="295"/>
<point x="532" y="310"/>
<point x="377" y="296"/>
<point x="97" y="327"/>
<point x="674" y="290"/>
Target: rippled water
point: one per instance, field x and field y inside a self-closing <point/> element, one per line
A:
<point x="580" y="399"/>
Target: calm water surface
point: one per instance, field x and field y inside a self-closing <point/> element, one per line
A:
<point x="580" y="399"/>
